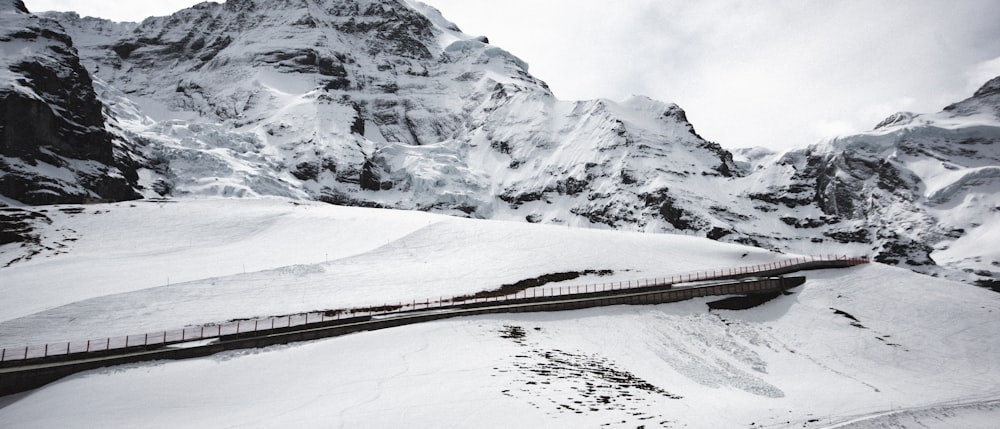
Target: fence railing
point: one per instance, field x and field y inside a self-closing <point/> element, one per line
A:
<point x="268" y="324"/>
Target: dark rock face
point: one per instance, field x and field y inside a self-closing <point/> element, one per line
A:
<point x="30" y="124"/>
<point x="50" y="115"/>
<point x="900" y="118"/>
<point x="903" y="192"/>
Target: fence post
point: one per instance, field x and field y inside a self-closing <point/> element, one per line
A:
<point x="3" y="353"/>
<point x="255" y="325"/>
<point x="165" y="336"/>
<point x="67" y="347"/>
<point x="106" y="347"/>
<point x="145" y="339"/>
<point x="126" y="341"/>
<point x="25" y="352"/>
<point x="88" y="348"/>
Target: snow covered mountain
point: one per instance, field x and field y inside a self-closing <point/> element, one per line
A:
<point x="242" y="113"/>
<point x="53" y="143"/>
<point x="380" y="103"/>
<point x="384" y="103"/>
<point x="920" y="189"/>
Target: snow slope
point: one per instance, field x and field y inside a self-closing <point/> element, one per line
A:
<point x="200" y="261"/>
<point x="852" y="347"/>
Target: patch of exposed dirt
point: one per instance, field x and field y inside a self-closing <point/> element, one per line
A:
<point x="562" y="382"/>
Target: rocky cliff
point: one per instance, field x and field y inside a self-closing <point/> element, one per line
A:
<point x="54" y="147"/>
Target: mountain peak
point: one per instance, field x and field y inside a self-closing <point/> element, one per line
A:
<point x="985" y="100"/>
<point x="989" y="88"/>
<point x="898" y="118"/>
<point x="13" y="5"/>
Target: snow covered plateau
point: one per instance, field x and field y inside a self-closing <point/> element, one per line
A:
<point x="267" y="157"/>
<point x="869" y="345"/>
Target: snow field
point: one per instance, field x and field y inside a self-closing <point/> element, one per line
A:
<point x="783" y="364"/>
<point x="302" y="257"/>
<point x="844" y="349"/>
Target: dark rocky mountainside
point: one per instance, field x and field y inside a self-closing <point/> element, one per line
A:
<point x="55" y="147"/>
<point x="920" y="189"/>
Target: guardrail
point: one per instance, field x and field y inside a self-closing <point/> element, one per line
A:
<point x="69" y="350"/>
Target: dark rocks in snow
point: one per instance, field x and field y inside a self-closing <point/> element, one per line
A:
<point x="16" y="225"/>
<point x="337" y="197"/>
<point x="50" y="114"/>
<point x="394" y="29"/>
<point x="781" y="198"/>
<point x="371" y="177"/>
<point x="801" y="223"/>
<point x="667" y="207"/>
<point x="501" y="146"/>
<point x="834" y="195"/>
<point x="306" y="171"/>
<point x="991" y="284"/>
<point x="854" y="321"/>
<point x="856" y="236"/>
<point x="358" y="126"/>
<point x="809" y="222"/>
<point x="717" y="233"/>
<point x="68" y="119"/>
<point x="572" y="186"/>
<point x="517" y="199"/>
<point x="896" y="250"/>
<point x="900" y="118"/>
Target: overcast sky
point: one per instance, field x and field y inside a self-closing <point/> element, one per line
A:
<point x="775" y="73"/>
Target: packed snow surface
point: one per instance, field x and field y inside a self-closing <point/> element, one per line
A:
<point x="147" y="266"/>
<point x="866" y="347"/>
